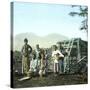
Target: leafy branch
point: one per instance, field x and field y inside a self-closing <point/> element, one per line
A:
<point x="83" y="12"/>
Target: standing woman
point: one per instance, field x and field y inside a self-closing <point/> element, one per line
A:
<point x="26" y="51"/>
<point x="60" y="48"/>
<point x="42" y="63"/>
<point x="38" y="56"/>
<point x="56" y="55"/>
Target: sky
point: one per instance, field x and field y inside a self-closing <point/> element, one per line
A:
<point x="43" y="19"/>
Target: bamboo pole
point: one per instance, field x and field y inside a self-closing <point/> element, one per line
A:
<point x="78" y="50"/>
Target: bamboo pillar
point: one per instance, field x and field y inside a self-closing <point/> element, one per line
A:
<point x="78" y="50"/>
<point x="42" y="65"/>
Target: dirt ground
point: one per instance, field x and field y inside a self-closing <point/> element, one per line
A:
<point x="51" y="80"/>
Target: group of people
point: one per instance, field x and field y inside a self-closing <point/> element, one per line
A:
<point x="36" y="61"/>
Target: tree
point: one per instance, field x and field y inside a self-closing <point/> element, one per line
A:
<point x="83" y="12"/>
<point x="17" y="55"/>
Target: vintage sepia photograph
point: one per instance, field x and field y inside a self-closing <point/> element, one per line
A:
<point x="49" y="44"/>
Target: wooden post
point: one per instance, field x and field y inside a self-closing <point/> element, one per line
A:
<point x="41" y="65"/>
<point x="78" y="50"/>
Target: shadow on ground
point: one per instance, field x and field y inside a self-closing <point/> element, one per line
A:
<point x="51" y="80"/>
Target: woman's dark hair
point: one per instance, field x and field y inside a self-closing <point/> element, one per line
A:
<point x="25" y="40"/>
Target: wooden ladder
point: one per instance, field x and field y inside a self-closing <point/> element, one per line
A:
<point x="66" y="59"/>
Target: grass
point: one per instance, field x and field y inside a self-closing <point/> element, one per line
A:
<point x="51" y="80"/>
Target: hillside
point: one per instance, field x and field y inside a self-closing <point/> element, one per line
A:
<point x="33" y="39"/>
